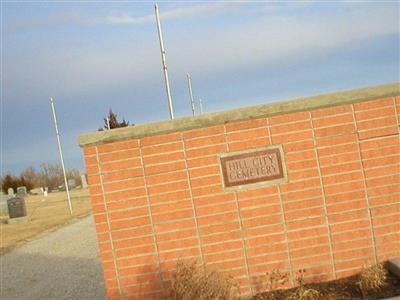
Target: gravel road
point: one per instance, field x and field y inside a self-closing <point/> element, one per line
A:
<point x="64" y="264"/>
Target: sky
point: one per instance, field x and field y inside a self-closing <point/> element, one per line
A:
<point x="93" y="56"/>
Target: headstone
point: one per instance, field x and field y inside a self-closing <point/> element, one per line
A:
<point x="21" y="191"/>
<point x="84" y="181"/>
<point x="3" y="205"/>
<point x="16" y="207"/>
<point x="10" y="192"/>
<point x="36" y="191"/>
<point x="71" y="183"/>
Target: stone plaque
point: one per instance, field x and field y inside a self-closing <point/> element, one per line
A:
<point x="252" y="167"/>
<point x="16" y="207"/>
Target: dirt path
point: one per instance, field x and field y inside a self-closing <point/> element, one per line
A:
<point x="64" y="264"/>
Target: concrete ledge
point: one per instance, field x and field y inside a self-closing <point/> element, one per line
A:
<point x="394" y="266"/>
<point x="252" y="112"/>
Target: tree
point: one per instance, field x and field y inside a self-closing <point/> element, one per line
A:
<point x="113" y="121"/>
<point x="26" y="183"/>
<point x="30" y="175"/>
<point x="10" y="181"/>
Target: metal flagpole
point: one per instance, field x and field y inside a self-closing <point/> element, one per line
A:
<point x="171" y="108"/>
<point x="201" y="106"/>
<point x="60" y="151"/>
<point x="189" y="78"/>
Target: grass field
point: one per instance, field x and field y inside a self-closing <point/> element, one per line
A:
<point x="43" y="214"/>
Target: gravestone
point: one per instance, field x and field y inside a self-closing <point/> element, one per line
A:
<point x="71" y="183"/>
<point x="84" y="181"/>
<point x="21" y="191"/>
<point x="3" y="204"/>
<point x="16" y="207"/>
<point x="10" y="192"/>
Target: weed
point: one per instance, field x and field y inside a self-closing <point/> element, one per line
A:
<point x="190" y="283"/>
<point x="302" y="292"/>
<point x="372" y="279"/>
<point x="275" y="278"/>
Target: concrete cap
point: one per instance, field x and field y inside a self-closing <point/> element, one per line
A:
<point x="252" y="112"/>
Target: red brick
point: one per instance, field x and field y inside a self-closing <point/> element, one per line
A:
<point x="177" y="244"/>
<point x="205" y="171"/>
<point x="89" y="150"/>
<point x="123" y="224"/>
<point x="124" y="184"/>
<point x="168" y="187"/>
<point x="335" y="130"/>
<point x="163" y="158"/>
<point x="206" y="151"/>
<point x="350" y="215"/>
<point x="337" y="169"/>
<point x="309" y="232"/>
<point x="333" y="141"/>
<point x="126" y="204"/>
<point x="171" y="206"/>
<point x="170" y="196"/>
<point x="164" y="178"/>
<point x="333" y="120"/>
<point x="164" y="168"/>
<point x="375" y="113"/>
<point x="176" y="215"/>
<point x="215" y="209"/>
<point x="287" y="138"/>
<point x="205" y="181"/>
<point x="207" y="190"/>
<point x="298" y="146"/>
<point x="164" y="227"/>
<point x="221" y="237"/>
<point x="205" y="141"/>
<point x="91" y="160"/>
<point x="122" y="145"/>
<point x="224" y="227"/>
<point x="343" y="177"/>
<point x="378" y="132"/>
<point x="202" y="161"/>
<point x="201" y="132"/>
<point x="183" y="233"/>
<point x="135" y="241"/>
<point x="249" y="144"/>
<point x="119" y="155"/>
<point x="220" y="218"/>
<point x="121" y="195"/>
<point x="164" y="148"/>
<point x="334" y="110"/>
<point x="286" y="128"/>
<point x="131" y="232"/>
<point x="288" y="118"/>
<point x="254" y="123"/>
<point x="376" y="123"/>
<point x="160" y="139"/>
<point x="376" y="103"/>
<point x="124" y="214"/>
<point x="121" y="165"/>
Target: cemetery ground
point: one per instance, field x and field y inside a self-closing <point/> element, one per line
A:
<point x="44" y="214"/>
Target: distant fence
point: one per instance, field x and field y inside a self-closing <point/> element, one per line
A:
<point x="311" y="183"/>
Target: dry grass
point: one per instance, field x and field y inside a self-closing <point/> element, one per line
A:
<point x="43" y="214"/>
<point x="372" y="279"/>
<point x="302" y="292"/>
<point x="192" y="283"/>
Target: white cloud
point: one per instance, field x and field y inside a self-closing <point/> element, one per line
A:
<point x="263" y="41"/>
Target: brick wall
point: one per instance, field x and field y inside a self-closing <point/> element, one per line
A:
<point x="161" y="197"/>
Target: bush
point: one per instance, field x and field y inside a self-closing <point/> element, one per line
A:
<point x="190" y="283"/>
<point x="372" y="279"/>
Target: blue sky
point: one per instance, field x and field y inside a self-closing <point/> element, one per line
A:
<point x="92" y="56"/>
